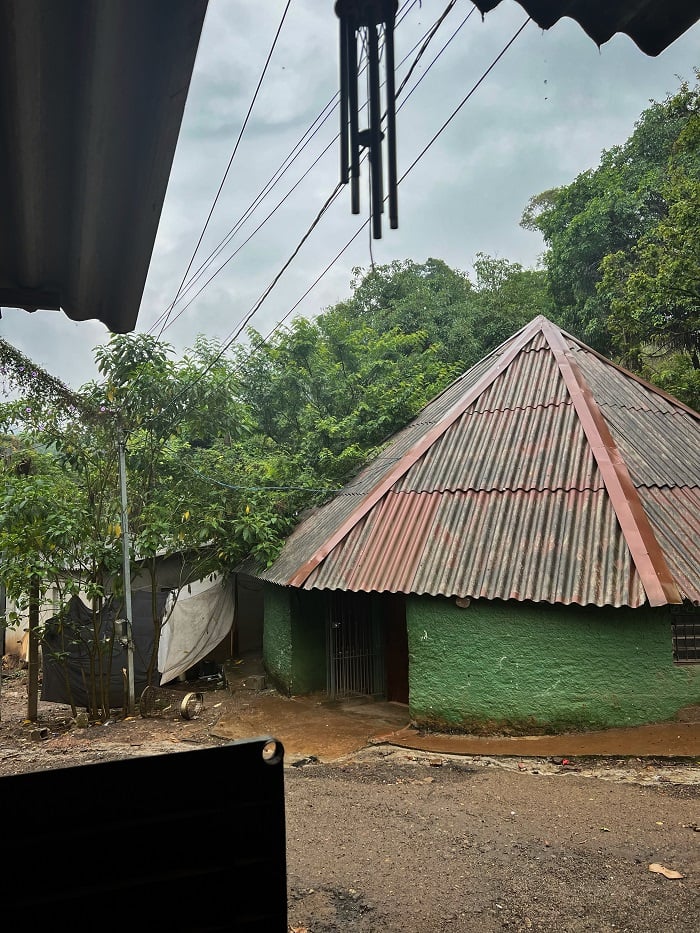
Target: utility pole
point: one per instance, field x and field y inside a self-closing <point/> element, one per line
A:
<point x="131" y="702"/>
<point x="3" y="610"/>
<point x="33" y="681"/>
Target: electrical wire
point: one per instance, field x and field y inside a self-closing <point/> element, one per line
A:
<point x="236" y="333"/>
<point x="218" y="482"/>
<point x="404" y="175"/>
<point x="272" y="182"/>
<point x="248" y="238"/>
<point x="357" y="233"/>
<point x="233" y="336"/>
<point x="448" y="9"/>
<point x="275" y="179"/>
<point x="230" y="161"/>
<point x="465" y="99"/>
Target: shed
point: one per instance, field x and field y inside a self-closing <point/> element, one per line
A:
<point x="523" y="555"/>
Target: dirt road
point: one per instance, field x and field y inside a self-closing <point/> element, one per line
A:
<point x="382" y="838"/>
<point x="389" y="841"/>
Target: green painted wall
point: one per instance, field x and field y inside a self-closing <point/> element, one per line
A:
<point x="277" y="637"/>
<point x="294" y="646"/>
<point x="308" y="641"/>
<point x="514" y="667"/>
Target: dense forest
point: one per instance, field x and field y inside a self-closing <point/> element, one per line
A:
<point x="226" y="449"/>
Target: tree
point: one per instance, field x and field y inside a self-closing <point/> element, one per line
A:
<point x="326" y="394"/>
<point x="188" y="468"/>
<point x="186" y="453"/>
<point x="428" y="297"/>
<point x="608" y="210"/>
<point x="653" y="288"/>
<point x="55" y="507"/>
<point x="507" y="297"/>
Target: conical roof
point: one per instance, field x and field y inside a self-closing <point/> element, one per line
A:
<point x="545" y="472"/>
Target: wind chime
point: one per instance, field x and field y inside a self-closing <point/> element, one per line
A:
<point x="362" y="22"/>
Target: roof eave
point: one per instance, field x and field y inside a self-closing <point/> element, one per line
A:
<point x="92" y="97"/>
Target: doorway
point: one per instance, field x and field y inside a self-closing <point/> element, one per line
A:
<point x="354" y="647"/>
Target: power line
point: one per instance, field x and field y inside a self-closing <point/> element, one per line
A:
<point x="465" y="99"/>
<point x="218" y="482"/>
<point x="232" y="337"/>
<point x="276" y="178"/>
<point x="247" y="240"/>
<point x="230" y="161"/>
<point x="408" y="170"/>
<point x="426" y="39"/>
<point x="272" y="182"/>
<point x="360" y="229"/>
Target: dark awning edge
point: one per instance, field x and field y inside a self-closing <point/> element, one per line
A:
<point x="92" y="97"/>
<point x="651" y="24"/>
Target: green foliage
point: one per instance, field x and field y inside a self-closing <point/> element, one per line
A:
<point x="429" y="298"/>
<point x="653" y="288"/>
<point x="186" y="461"/>
<point x="675" y="373"/>
<point x="610" y="210"/>
<point x="508" y="298"/>
<point x="326" y="394"/>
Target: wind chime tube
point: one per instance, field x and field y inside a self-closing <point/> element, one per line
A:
<point x="375" y="134"/>
<point x="344" y="81"/>
<point x="354" y="119"/>
<point x="392" y="171"/>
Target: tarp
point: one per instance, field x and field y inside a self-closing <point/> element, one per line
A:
<point x="198" y="618"/>
<point x="70" y="651"/>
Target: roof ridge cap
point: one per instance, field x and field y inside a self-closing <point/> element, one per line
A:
<point x="644" y="547"/>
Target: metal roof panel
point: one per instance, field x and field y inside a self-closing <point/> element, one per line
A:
<point x="91" y="102"/>
<point x="564" y="547"/>
<point x="514" y="483"/>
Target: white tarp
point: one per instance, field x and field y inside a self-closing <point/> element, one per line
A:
<point x="201" y="617"/>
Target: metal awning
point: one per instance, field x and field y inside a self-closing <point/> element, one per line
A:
<point x="92" y="96"/>
<point x="652" y="24"/>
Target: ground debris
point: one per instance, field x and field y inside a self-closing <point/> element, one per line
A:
<point x="666" y="872"/>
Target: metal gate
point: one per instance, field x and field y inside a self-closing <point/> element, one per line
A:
<point x="354" y="652"/>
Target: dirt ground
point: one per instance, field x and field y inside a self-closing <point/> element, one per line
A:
<point x="385" y="837"/>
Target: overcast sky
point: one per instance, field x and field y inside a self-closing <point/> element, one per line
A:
<point x="545" y="113"/>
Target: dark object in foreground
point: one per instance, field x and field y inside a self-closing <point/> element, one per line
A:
<point x="189" y="841"/>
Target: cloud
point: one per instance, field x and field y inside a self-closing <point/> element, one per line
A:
<point x="543" y="114"/>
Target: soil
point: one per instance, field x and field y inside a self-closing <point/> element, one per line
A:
<point x="389" y="829"/>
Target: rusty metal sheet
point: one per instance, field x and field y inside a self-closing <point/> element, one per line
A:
<point x="515" y="483"/>
<point x="563" y="547"/>
<point x="648" y="557"/>
<point x="529" y="448"/>
<point x="675" y="516"/>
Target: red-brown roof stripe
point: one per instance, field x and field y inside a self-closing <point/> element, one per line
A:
<point x="645" y="549"/>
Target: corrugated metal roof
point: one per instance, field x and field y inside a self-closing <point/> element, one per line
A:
<point x="516" y="483"/>
<point x="652" y="24"/>
<point x="91" y="102"/>
<point x="529" y="448"/>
